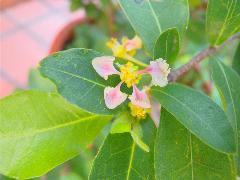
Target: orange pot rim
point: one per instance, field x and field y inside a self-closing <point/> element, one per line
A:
<point x="65" y="34"/>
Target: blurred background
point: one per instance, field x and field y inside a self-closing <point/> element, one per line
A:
<point x="27" y="31"/>
<point x="32" y="29"/>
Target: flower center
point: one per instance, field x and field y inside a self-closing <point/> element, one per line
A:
<point x="137" y="112"/>
<point x="129" y="74"/>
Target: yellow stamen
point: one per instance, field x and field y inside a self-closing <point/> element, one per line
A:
<point x="111" y="43"/>
<point x="117" y="49"/>
<point x="129" y="74"/>
<point x="137" y="112"/>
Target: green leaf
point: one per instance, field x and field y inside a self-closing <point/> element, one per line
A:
<point x="167" y="46"/>
<point x="236" y="60"/>
<point x="180" y="155"/>
<point x="227" y="82"/>
<point x="37" y="82"/>
<point x="120" y="158"/>
<point x="40" y="130"/>
<point x="76" y="79"/>
<point x="198" y="113"/>
<point x="222" y="20"/>
<point x="150" y="18"/>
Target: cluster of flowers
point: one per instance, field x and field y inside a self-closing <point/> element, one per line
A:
<point x="141" y="101"/>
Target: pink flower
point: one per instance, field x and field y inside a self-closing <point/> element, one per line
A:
<point x="155" y="112"/>
<point x="140" y="98"/>
<point x="132" y="44"/>
<point x="104" y="66"/>
<point x="113" y="96"/>
<point x="159" y="71"/>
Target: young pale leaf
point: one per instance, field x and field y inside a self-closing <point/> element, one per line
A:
<point x="125" y="123"/>
<point x="150" y="18"/>
<point x="137" y="136"/>
<point x="40" y="130"/>
<point x="236" y="60"/>
<point x="76" y="79"/>
<point x="227" y="82"/>
<point x="122" y="123"/>
<point x="222" y="20"/>
<point x="180" y="155"/>
<point x="167" y="46"/>
<point x="120" y="158"/>
<point x="198" y="113"/>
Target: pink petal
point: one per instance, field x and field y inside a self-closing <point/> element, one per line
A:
<point x="159" y="71"/>
<point x="104" y="66"/>
<point x="155" y="112"/>
<point x="113" y="96"/>
<point x="133" y="44"/>
<point x="140" y="98"/>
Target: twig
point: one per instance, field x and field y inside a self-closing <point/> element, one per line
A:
<point x="175" y="74"/>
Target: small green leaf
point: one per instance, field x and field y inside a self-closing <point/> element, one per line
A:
<point x="227" y="82"/>
<point x="199" y="114"/>
<point x="122" y="123"/>
<point x="150" y="18"/>
<point x="126" y="123"/>
<point x="40" y="130"/>
<point x="236" y="60"/>
<point x="76" y="79"/>
<point x="180" y="155"/>
<point x="137" y="135"/>
<point x="222" y="20"/>
<point x="120" y="158"/>
<point x="167" y="46"/>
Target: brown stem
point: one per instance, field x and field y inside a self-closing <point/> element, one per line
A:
<point x="175" y="74"/>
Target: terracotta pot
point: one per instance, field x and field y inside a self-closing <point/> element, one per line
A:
<point x="65" y="34"/>
<point x="8" y="3"/>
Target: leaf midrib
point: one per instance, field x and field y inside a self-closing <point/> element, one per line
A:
<point x="131" y="160"/>
<point x="193" y="114"/>
<point x="226" y="19"/>
<point x="39" y="131"/>
<point x="155" y="16"/>
<point x="230" y="92"/>
<point x="153" y="13"/>
<point x="191" y="153"/>
<point x="75" y="75"/>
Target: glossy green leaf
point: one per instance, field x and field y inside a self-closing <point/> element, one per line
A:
<point x="222" y="20"/>
<point x="76" y="79"/>
<point x="236" y="60"/>
<point x="40" y="130"/>
<point x="198" y="113"/>
<point x="150" y="18"/>
<point x="228" y="84"/>
<point x="167" y="46"/>
<point x="38" y="82"/>
<point x="180" y="155"/>
<point x="120" y="158"/>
